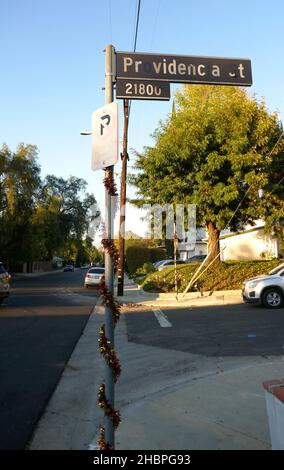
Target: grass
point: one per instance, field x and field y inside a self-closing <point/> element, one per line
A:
<point x="228" y="275"/>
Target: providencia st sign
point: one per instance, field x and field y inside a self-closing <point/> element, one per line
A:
<point x="183" y="69"/>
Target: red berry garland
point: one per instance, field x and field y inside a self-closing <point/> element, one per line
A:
<point x="111" y="413"/>
<point x="110" y="247"/>
<point x="102" y="440"/>
<point x="110" y="185"/>
<point x="109" y="300"/>
<point x="109" y="354"/>
<point x="105" y="345"/>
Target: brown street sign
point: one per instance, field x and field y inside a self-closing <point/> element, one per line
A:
<point x="143" y="90"/>
<point x="183" y="69"/>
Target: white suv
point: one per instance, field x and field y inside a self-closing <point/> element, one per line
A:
<point x="4" y="283"/>
<point x="267" y="290"/>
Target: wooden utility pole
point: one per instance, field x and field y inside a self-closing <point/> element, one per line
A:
<point x="124" y="158"/>
<point x="175" y="256"/>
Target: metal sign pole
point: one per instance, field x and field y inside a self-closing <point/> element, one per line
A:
<point x="109" y="272"/>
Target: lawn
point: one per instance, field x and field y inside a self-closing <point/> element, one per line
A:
<point x="228" y="275"/>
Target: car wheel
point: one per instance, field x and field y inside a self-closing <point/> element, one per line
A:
<point x="272" y="298"/>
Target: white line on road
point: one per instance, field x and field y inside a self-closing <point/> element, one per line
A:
<point x="161" y="317"/>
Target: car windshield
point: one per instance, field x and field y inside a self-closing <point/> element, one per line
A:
<point x="277" y="269"/>
<point x="97" y="271"/>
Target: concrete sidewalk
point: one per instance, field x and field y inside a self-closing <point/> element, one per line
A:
<point x="134" y="294"/>
<point x="194" y="402"/>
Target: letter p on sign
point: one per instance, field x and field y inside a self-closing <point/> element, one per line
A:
<point x="105" y="136"/>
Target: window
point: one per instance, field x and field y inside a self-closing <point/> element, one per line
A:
<point x="97" y="271"/>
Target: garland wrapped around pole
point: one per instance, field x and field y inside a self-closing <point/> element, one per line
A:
<point x="105" y="346"/>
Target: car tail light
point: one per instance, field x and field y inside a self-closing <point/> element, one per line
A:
<point x="6" y="278"/>
<point x="88" y="275"/>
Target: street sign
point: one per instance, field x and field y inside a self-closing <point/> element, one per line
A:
<point x="105" y="136"/>
<point x="183" y="69"/>
<point x="143" y="90"/>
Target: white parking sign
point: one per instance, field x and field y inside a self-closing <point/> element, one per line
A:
<point x="105" y="136"/>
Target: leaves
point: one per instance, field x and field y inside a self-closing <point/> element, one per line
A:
<point x="220" y="147"/>
<point x="39" y="218"/>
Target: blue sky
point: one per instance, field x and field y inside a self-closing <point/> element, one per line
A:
<point x="53" y="67"/>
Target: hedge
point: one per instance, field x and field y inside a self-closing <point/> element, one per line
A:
<point x="137" y="254"/>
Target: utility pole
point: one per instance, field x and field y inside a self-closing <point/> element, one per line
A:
<point x="175" y="256"/>
<point x="124" y="158"/>
<point x="109" y="270"/>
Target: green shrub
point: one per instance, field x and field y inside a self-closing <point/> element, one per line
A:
<point x="137" y="254"/>
<point x="228" y="275"/>
<point x="146" y="269"/>
<point x="157" y="253"/>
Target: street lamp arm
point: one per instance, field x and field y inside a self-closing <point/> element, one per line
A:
<point x="86" y="132"/>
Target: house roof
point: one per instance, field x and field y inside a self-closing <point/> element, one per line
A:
<point x="258" y="227"/>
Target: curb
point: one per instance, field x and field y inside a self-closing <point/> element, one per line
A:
<point x="222" y="294"/>
<point x="135" y="295"/>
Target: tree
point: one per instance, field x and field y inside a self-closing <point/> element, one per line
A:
<point x="19" y="186"/>
<point x="64" y="210"/>
<point x="40" y="218"/>
<point x="216" y="151"/>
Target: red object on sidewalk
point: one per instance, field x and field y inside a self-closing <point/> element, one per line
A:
<point x="276" y="387"/>
<point x="274" y="397"/>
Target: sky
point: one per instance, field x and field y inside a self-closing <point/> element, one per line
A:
<point x="53" y="69"/>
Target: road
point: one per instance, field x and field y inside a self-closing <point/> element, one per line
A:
<point x="197" y="342"/>
<point x="40" y="325"/>
<point x="158" y="350"/>
<point x="232" y="330"/>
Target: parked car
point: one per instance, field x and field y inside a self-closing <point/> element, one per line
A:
<point x="68" y="267"/>
<point x="4" y="283"/>
<point x="267" y="290"/>
<point x="169" y="263"/>
<point x="85" y="266"/>
<point x="159" y="263"/>
<point x="93" y="277"/>
<point x="196" y="259"/>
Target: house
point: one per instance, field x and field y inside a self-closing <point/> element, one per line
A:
<point x="250" y="244"/>
<point x="188" y="248"/>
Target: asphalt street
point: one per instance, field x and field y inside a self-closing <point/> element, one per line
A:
<point x="160" y="350"/>
<point x="40" y="325"/>
<point x="231" y="330"/>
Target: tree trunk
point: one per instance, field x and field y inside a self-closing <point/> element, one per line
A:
<point x="213" y="243"/>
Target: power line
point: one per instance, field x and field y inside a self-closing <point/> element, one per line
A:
<point x="137" y="24"/>
<point x="135" y="41"/>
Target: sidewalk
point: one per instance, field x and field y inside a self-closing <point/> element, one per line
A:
<point x="134" y="294"/>
<point x="213" y="403"/>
